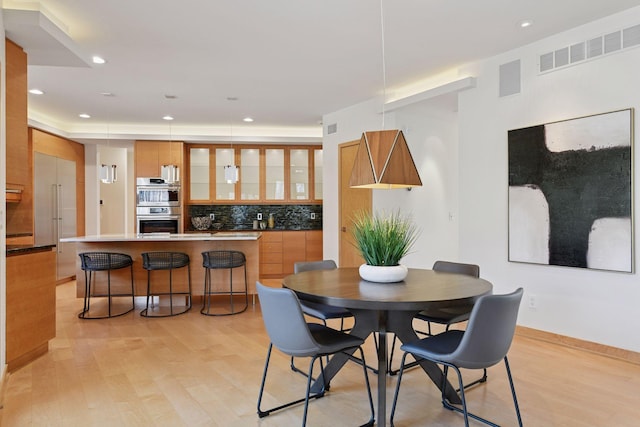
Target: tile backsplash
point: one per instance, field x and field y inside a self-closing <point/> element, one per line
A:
<point x="242" y="217"/>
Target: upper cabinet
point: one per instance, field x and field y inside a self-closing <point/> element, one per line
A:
<point x="17" y="134"/>
<point x="265" y="174"/>
<point x="150" y="156"/>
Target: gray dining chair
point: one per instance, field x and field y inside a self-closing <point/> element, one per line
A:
<point x="446" y="316"/>
<point x="291" y="334"/>
<point x="322" y="312"/>
<point x="484" y="343"/>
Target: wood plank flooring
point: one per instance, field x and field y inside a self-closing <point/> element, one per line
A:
<point x="193" y="370"/>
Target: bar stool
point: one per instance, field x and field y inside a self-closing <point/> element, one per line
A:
<point x="166" y="261"/>
<point x="104" y="261"/>
<point x="213" y="260"/>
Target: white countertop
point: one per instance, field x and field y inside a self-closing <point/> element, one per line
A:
<point x="221" y="235"/>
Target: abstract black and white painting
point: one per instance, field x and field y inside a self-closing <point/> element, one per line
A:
<point x="570" y="200"/>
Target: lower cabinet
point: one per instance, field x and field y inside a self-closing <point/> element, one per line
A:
<point x="280" y="250"/>
<point x="31" y="306"/>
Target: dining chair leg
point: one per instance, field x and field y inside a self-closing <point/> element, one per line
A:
<point x="263" y="413"/>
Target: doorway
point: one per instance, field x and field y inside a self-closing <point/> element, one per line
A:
<point x="350" y="200"/>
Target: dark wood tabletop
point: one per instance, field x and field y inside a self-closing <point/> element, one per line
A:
<point x="343" y="287"/>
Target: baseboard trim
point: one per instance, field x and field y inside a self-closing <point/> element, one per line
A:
<point x="601" y="349"/>
<point x="28" y="357"/>
<point x="3" y="384"/>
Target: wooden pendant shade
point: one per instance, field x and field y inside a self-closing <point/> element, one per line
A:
<point x="383" y="161"/>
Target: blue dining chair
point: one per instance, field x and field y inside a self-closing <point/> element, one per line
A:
<point x="291" y="334"/>
<point x="484" y="343"/>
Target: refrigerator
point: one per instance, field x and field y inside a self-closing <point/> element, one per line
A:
<point x="55" y="208"/>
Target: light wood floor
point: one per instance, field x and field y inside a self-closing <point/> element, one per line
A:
<point x="194" y="370"/>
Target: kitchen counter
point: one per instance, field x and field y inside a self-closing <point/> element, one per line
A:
<point x="193" y="244"/>
<point x="158" y="237"/>
<point x="13" y="250"/>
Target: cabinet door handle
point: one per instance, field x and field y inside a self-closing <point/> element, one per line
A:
<point x="344" y="229"/>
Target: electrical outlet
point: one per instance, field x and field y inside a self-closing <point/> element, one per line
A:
<point x="212" y="216"/>
<point x="313" y="215"/>
<point x="533" y="303"/>
<point x="260" y="216"/>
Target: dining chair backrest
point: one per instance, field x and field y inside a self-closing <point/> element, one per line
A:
<point x="327" y="264"/>
<point x="489" y="332"/>
<point x="457" y="267"/>
<point x="285" y="322"/>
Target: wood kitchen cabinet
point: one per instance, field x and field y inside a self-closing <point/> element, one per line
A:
<point x="31" y="306"/>
<point x="280" y="250"/>
<point x="19" y="213"/>
<point x="19" y="171"/>
<point x="267" y="174"/>
<point x="151" y="155"/>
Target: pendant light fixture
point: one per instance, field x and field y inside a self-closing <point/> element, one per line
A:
<point x="231" y="171"/>
<point x="108" y="173"/>
<point x="170" y="173"/>
<point x="383" y="160"/>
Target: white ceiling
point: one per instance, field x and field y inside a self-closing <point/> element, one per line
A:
<point x="287" y="62"/>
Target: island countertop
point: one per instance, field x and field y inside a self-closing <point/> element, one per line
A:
<point x="187" y="237"/>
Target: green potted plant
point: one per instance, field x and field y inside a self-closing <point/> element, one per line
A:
<point x="383" y="239"/>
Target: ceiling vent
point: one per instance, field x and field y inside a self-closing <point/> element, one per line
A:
<point x="590" y="49"/>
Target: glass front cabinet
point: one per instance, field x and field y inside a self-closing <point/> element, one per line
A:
<point x="265" y="174"/>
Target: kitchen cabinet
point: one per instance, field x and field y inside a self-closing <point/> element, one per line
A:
<point x="31" y="306"/>
<point x="267" y="174"/>
<point x="280" y="250"/>
<point x="199" y="173"/>
<point x="19" y="196"/>
<point x="55" y="209"/>
<point x="19" y="172"/>
<point x="271" y="254"/>
<point x="151" y="155"/>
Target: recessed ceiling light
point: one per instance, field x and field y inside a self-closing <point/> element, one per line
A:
<point x="167" y="117"/>
<point x="232" y="98"/>
<point x="84" y="116"/>
<point x="526" y="23"/>
<point x="170" y="96"/>
<point x="36" y="91"/>
<point x="107" y="94"/>
<point x="98" y="60"/>
<point x="247" y="119"/>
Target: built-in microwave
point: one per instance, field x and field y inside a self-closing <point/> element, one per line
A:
<point x="157" y="192"/>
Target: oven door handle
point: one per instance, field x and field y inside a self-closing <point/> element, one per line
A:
<point x="158" y="217"/>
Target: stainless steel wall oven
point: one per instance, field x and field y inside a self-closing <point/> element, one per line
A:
<point x="157" y="206"/>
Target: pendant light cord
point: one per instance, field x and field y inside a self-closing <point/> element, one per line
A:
<point x="384" y="68"/>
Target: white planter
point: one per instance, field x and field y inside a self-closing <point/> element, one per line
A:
<point x="383" y="274"/>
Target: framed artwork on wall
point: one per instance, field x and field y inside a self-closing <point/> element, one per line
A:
<point x="570" y="193"/>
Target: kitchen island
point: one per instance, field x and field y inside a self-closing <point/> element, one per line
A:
<point x="192" y="244"/>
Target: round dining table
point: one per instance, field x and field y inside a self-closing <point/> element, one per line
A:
<point x="386" y="307"/>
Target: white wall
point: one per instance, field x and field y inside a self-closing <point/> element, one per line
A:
<point x="591" y="305"/>
<point x="430" y="128"/>
<point x="114" y="210"/>
<point x="462" y="160"/>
